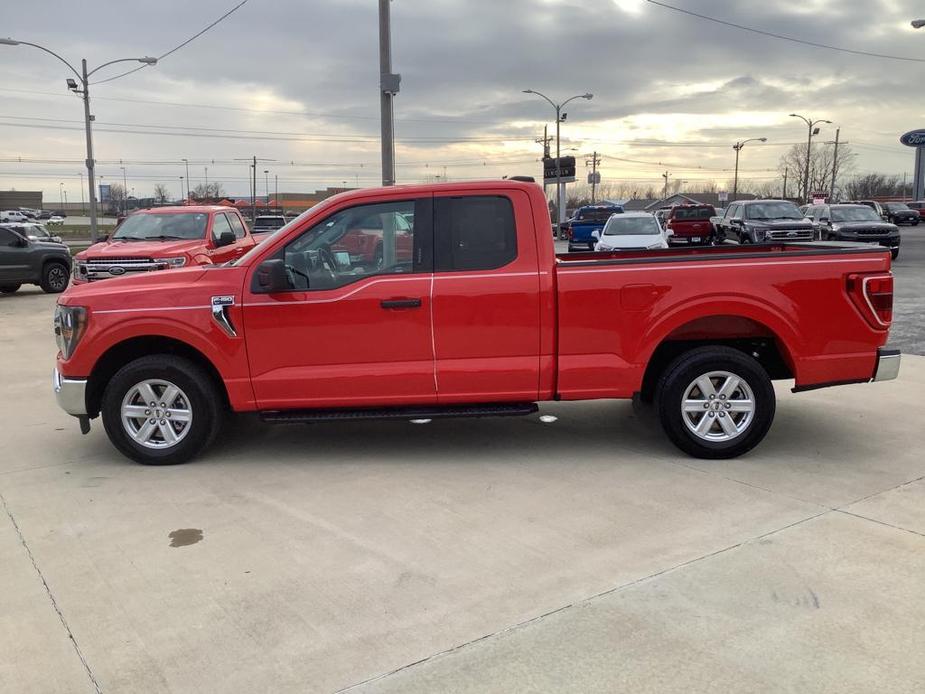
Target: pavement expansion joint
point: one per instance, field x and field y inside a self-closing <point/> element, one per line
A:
<point x="51" y="597"/>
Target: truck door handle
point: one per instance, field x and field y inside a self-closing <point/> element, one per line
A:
<point x="400" y="303"/>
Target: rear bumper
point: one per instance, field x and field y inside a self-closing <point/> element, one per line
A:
<point x="887" y="364"/>
<point x="71" y="394"/>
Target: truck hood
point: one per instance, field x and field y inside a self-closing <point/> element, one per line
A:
<point x="139" y="291"/>
<point x="780" y="223"/>
<point x="881" y="227"/>
<point x="631" y="241"/>
<point x="140" y="249"/>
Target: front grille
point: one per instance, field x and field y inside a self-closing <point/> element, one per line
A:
<point x="791" y="234"/>
<point x="872" y="232"/>
<point x="106" y="268"/>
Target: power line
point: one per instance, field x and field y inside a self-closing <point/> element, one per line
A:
<point x="783" y="37"/>
<point x="176" y="48"/>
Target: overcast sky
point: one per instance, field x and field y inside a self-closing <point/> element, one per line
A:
<point x="297" y="80"/>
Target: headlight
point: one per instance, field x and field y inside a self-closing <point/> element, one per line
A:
<point x="654" y="246"/>
<point x="178" y="261"/>
<point x="761" y="233"/>
<point x="70" y="325"/>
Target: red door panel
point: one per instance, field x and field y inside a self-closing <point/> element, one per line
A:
<point x="341" y="347"/>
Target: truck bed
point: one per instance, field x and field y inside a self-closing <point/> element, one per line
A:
<point x="615" y="309"/>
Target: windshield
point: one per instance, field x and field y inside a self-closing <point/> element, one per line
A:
<point x="683" y="213"/>
<point x="631" y="226"/>
<point x="896" y="206"/>
<point x="182" y="225"/>
<point x="773" y="210"/>
<point x="854" y="214"/>
<point x="597" y="215"/>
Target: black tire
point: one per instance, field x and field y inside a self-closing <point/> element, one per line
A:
<point x="915" y="222"/>
<point x="894" y="253"/>
<point x="680" y="375"/>
<point x="55" y="277"/>
<point x="205" y="403"/>
<point x="9" y="288"/>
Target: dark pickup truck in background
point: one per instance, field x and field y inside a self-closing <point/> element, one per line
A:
<point x="764" y="221"/>
<point x="23" y="261"/>
<point x="854" y="223"/>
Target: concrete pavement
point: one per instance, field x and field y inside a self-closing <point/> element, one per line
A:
<point x="483" y="555"/>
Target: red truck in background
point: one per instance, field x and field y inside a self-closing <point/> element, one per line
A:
<point x="163" y="238"/>
<point x="690" y="224"/>
<point x="479" y="318"/>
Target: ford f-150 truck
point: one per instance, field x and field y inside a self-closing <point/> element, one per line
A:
<point x="466" y="311"/>
<point x="162" y="238"/>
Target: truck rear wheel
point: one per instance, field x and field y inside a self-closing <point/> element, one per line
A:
<point x="161" y="410"/>
<point x="715" y="402"/>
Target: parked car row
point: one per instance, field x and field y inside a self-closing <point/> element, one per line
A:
<point x="24" y="215"/>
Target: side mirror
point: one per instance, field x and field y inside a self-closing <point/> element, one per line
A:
<point x="226" y="238"/>
<point x="669" y="231"/>
<point x="21" y="242"/>
<point x="102" y="238"/>
<point x="596" y="235"/>
<point x="823" y="220"/>
<point x="271" y="277"/>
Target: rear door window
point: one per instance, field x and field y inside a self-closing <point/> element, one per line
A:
<point x="474" y="233"/>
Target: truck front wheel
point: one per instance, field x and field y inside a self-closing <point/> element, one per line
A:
<point x="161" y="410"/>
<point x="715" y="402"/>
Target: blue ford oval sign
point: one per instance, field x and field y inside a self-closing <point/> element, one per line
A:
<point x="914" y="138"/>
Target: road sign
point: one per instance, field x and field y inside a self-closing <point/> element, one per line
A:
<point x="566" y="166"/>
<point x="594" y="178"/>
<point x="723" y="196"/>
<point x="105" y="192"/>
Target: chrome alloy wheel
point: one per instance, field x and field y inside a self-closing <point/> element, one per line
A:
<point x="156" y="414"/>
<point x="718" y="406"/>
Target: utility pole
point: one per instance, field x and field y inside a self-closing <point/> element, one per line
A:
<point x="593" y="163"/>
<point x="124" y="192"/>
<point x="207" y="179"/>
<point x="784" y="193"/>
<point x="266" y="184"/>
<point x="834" y="168"/>
<point x="186" y="161"/>
<point x="389" y="84"/>
<point x="83" y="206"/>
<point x="276" y="188"/>
<point x="252" y="180"/>
<point x="665" y="176"/>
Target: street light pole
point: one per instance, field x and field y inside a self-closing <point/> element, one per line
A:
<point x="810" y="124"/>
<point x="84" y="90"/>
<point x="738" y="148"/>
<point x="186" y="161"/>
<point x="389" y="84"/>
<point x="266" y="184"/>
<point x="560" y="208"/>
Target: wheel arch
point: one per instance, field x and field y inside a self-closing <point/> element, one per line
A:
<point x="770" y="342"/>
<point x="125" y="351"/>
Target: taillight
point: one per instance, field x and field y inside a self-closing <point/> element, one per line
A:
<point x="873" y="296"/>
<point x="568" y="233"/>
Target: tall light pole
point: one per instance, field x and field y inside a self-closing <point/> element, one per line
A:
<point x="266" y="183"/>
<point x="560" y="207"/>
<point x="813" y="130"/>
<point x="61" y="195"/>
<point x="389" y="84"/>
<point x="206" y="168"/>
<point x="738" y="148"/>
<point x="84" y="90"/>
<point x="181" y="188"/>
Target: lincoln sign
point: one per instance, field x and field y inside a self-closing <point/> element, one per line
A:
<point x="914" y="138"/>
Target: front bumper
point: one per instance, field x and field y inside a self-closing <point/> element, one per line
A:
<point x="887" y="364"/>
<point x="71" y="394"/>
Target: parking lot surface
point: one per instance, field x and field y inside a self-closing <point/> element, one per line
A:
<point x="469" y="555"/>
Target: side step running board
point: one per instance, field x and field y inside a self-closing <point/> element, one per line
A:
<point x="423" y="412"/>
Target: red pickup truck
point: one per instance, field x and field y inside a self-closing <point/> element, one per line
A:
<point x="466" y="310"/>
<point x="162" y="238"/>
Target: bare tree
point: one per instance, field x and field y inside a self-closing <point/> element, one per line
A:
<point x="116" y="197"/>
<point x="822" y="165"/>
<point x="212" y="190"/>
<point x="874" y="185"/>
<point x="161" y="193"/>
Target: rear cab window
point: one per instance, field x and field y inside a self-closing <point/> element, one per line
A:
<point x="474" y="232"/>
<point x="683" y="214"/>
